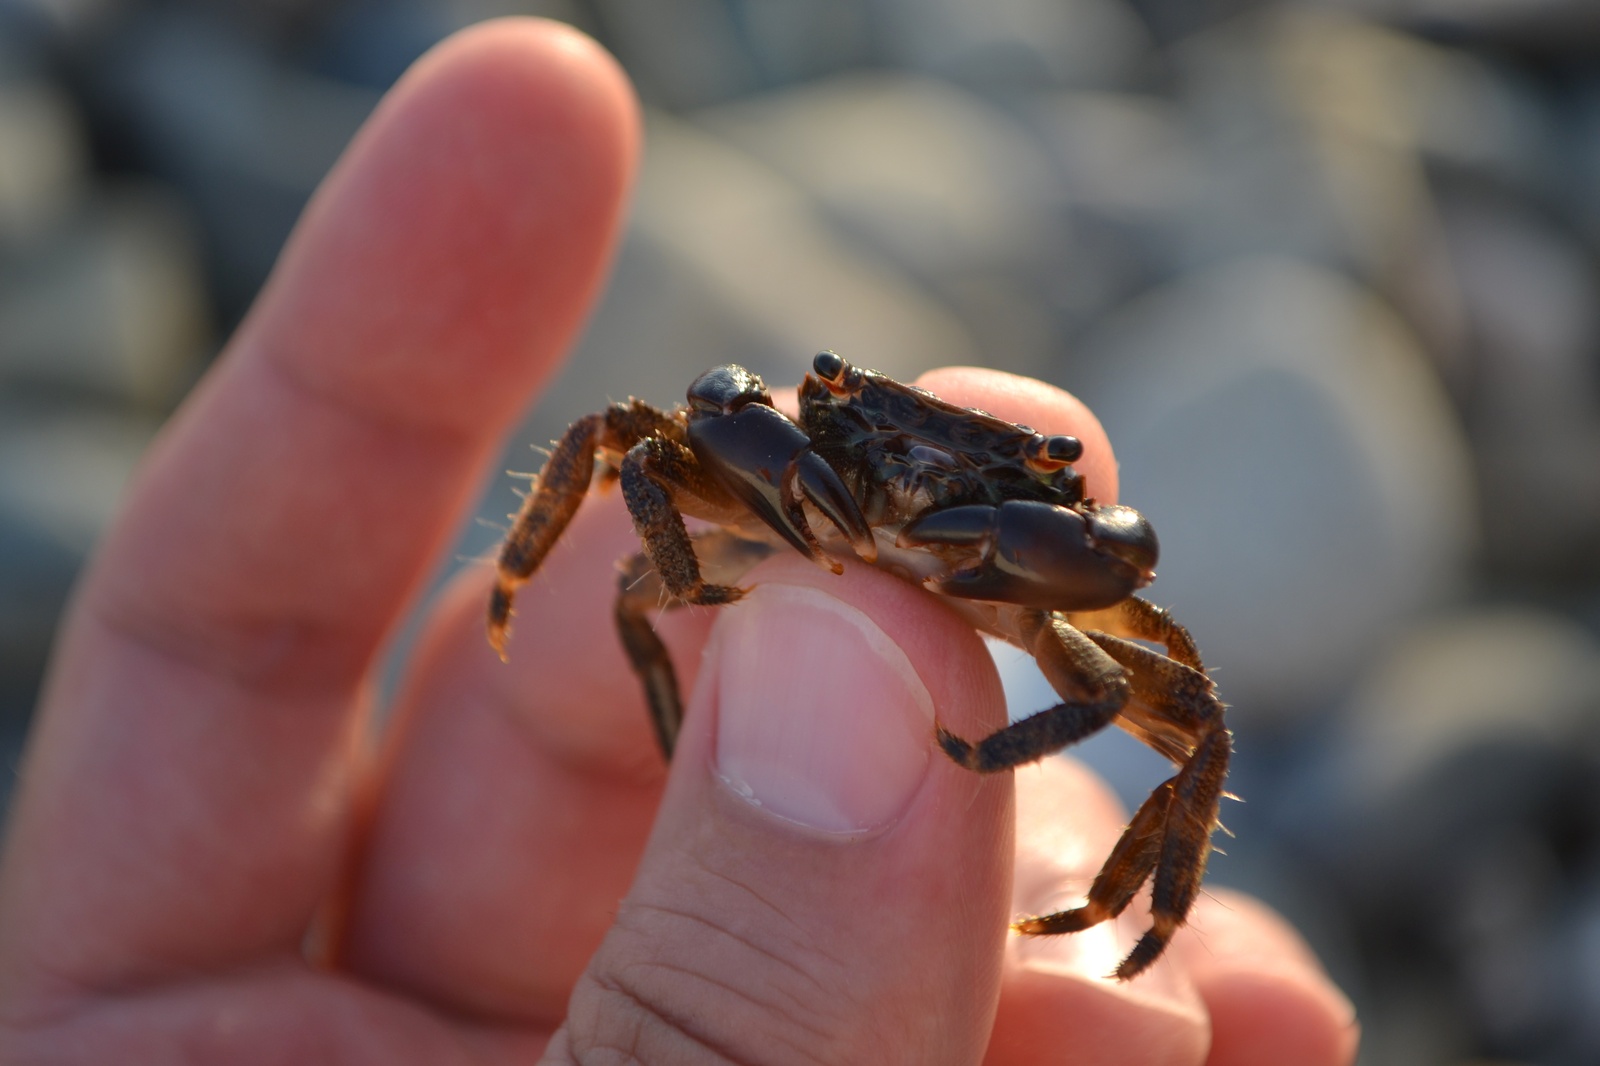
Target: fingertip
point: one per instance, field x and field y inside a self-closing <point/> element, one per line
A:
<point x="1038" y="404"/>
<point x="548" y="68"/>
<point x="444" y="265"/>
<point x="1269" y="999"/>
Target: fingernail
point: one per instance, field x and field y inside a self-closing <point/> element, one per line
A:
<point x="821" y="718"/>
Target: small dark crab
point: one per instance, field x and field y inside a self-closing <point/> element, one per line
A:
<point x="989" y="514"/>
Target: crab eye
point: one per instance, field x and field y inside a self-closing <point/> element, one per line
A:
<point x="829" y="366"/>
<point x="1063" y="449"/>
<point x="1053" y="452"/>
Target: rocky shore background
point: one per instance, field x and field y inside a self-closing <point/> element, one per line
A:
<point x="1329" y="271"/>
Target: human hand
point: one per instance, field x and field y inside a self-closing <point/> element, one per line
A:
<point x="197" y="791"/>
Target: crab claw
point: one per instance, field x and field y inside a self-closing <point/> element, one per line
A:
<point x="822" y="486"/>
<point x="755" y="452"/>
<point x="1039" y="554"/>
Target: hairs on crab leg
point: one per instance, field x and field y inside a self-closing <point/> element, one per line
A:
<point x="641" y="593"/>
<point x="558" y="492"/>
<point x="1170" y="706"/>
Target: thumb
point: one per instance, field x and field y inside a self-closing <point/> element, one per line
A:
<point x="821" y="884"/>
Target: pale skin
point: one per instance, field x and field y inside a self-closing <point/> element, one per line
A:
<point x="198" y="789"/>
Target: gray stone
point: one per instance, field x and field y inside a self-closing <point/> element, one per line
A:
<point x="927" y="177"/>
<point x="682" y="54"/>
<point x="1548" y="25"/>
<point x="1456" y="806"/>
<point x="43" y="160"/>
<point x="113" y="304"/>
<point x="1005" y="43"/>
<point x="1489" y="678"/>
<point x="62" y="471"/>
<point x="1124" y="155"/>
<point x="1533" y="394"/>
<point x="923" y="170"/>
<point x="244" y="137"/>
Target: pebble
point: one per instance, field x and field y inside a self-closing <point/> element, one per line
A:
<point x="113" y="305"/>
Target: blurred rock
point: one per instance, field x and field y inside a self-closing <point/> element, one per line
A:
<point x="1457" y="809"/>
<point x="1008" y="44"/>
<point x="114" y="304"/>
<point x="62" y="470"/>
<point x="1506" y="678"/>
<point x="1126" y="167"/>
<point x="1529" y="289"/>
<point x="1558" y="26"/>
<point x="775" y="262"/>
<point x="1124" y="155"/>
<point x="1308" y="480"/>
<point x="698" y="52"/>
<point x="371" y="43"/>
<point x="1581" y="164"/>
<point x="928" y="173"/>
<point x="245" y="137"/>
<point x="1313" y="130"/>
<point x="949" y="190"/>
<point x="43" y="160"/>
<point x="1458" y="108"/>
<point x="792" y="43"/>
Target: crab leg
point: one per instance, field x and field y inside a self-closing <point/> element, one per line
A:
<point x="1171" y="707"/>
<point x="650" y="467"/>
<point x="1092" y="685"/>
<point x="726" y="556"/>
<point x="1119" y="879"/>
<point x="1163" y="702"/>
<point x="558" y="492"/>
<point x="1143" y="620"/>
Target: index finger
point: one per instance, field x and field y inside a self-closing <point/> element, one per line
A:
<point x="194" y="748"/>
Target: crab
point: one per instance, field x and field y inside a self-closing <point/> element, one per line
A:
<point x="987" y="514"/>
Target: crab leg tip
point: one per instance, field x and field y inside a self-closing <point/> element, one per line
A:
<point x="497" y="640"/>
<point x="959" y="750"/>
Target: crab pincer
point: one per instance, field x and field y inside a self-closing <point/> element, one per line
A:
<point x="1038" y="554"/>
<point x="754" y="451"/>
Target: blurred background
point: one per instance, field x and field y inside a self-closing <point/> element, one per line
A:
<point x="1329" y="271"/>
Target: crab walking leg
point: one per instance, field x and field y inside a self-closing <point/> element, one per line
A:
<point x="650" y="467"/>
<point x="1092" y="685"/>
<point x="1126" y="869"/>
<point x="1174" y="727"/>
<point x="642" y="594"/>
<point x="1186" y="844"/>
<point x="1171" y="701"/>
<point x="558" y="492"/>
<point x="1165" y="703"/>
<point x="1143" y="620"/>
<point x="1169" y="834"/>
<point x="1172" y="708"/>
